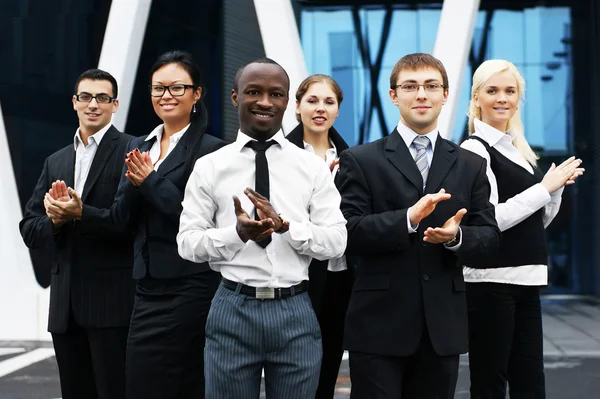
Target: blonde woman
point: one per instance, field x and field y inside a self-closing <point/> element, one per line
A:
<point x="503" y="293"/>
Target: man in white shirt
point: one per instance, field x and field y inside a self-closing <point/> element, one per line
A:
<point x="91" y="294"/>
<point x="261" y="316"/>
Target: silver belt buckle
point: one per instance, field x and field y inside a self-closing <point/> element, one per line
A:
<point x="265" y="293"/>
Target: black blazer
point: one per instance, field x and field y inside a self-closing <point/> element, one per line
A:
<point x="318" y="268"/>
<point x="402" y="283"/>
<point x="152" y="211"/>
<point x="91" y="269"/>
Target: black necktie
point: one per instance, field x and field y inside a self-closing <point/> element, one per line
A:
<point x="261" y="182"/>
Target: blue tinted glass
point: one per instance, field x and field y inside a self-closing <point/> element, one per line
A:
<point x="331" y="46"/>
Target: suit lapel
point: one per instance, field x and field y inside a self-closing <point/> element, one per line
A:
<point x="443" y="159"/>
<point x="178" y="155"/>
<point x="397" y="153"/>
<point x="105" y="149"/>
<point x="69" y="167"/>
<point x="296" y="136"/>
<point x="338" y="140"/>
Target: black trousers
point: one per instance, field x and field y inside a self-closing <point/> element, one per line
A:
<point x="330" y="294"/>
<point x="505" y="341"/>
<point x="91" y="361"/>
<point x="165" y="349"/>
<point x="423" y="375"/>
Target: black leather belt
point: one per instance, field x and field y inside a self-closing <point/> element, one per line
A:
<point x="265" y="292"/>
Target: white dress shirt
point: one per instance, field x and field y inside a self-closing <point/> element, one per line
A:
<point x="331" y="155"/>
<point x="173" y="140"/>
<point x="408" y="135"/>
<point x="301" y="189"/>
<point x="84" y="156"/>
<point x="514" y="210"/>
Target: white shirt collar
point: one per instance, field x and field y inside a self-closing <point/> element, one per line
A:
<point x="159" y="130"/>
<point x="490" y="134"/>
<point x="243" y="139"/>
<point x="96" y="137"/>
<point x="408" y="135"/>
<point x="309" y="147"/>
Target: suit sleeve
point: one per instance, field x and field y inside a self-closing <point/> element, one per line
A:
<point x="480" y="232"/>
<point x="164" y="195"/>
<point x="368" y="232"/>
<point x="116" y="219"/>
<point x="36" y="227"/>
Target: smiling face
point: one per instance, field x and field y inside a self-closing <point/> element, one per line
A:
<point x="261" y="99"/>
<point x="318" y="108"/>
<point x="419" y="110"/>
<point x="174" y="110"/>
<point x="498" y="100"/>
<point x="94" y="116"/>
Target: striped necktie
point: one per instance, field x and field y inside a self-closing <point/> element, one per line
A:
<point x="421" y="143"/>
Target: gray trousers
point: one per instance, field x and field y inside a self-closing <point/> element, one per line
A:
<point x="245" y="335"/>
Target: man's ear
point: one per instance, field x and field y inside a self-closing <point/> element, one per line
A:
<point x="393" y="96"/>
<point x="74" y="100"/>
<point x="234" y="98"/>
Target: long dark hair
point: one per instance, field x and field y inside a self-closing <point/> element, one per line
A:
<point x="186" y="61"/>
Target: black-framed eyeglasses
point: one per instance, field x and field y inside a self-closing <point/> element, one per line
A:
<point x="177" y="90"/>
<point x="100" y="98"/>
<point x="431" y="87"/>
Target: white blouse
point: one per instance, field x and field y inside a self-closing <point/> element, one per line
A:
<point x="514" y="210"/>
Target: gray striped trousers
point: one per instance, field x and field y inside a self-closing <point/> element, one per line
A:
<point x="245" y="335"/>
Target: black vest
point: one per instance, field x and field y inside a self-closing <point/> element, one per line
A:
<point x="524" y="243"/>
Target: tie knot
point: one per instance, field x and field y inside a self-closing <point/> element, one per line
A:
<point x="421" y="142"/>
<point x="260" y="145"/>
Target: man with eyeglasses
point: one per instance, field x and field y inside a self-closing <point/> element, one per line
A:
<point x="417" y="210"/>
<point x="91" y="290"/>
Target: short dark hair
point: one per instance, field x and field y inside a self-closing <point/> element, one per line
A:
<point x="239" y="72"/>
<point x="97" y="74"/>
<point x="416" y="61"/>
<point x="187" y="62"/>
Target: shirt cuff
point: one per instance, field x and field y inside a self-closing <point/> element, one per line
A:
<point x="411" y="228"/>
<point x="298" y="232"/>
<point x="456" y="247"/>
<point x="227" y="237"/>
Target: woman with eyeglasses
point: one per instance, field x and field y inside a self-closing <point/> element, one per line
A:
<point x="165" y="347"/>
<point x="503" y="293"/>
<point x="318" y="101"/>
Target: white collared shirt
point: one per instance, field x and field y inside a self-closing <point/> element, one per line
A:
<point x="408" y="135"/>
<point x="331" y="155"/>
<point x="173" y="140"/>
<point x="514" y="210"/>
<point x="301" y="189"/>
<point x="84" y="156"/>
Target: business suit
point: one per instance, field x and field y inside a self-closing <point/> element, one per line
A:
<point x="91" y="294"/>
<point x="329" y="293"/>
<point x="409" y="296"/>
<point x="166" y="339"/>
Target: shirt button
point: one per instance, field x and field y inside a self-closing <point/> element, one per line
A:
<point x="425" y="277"/>
<point x="423" y="244"/>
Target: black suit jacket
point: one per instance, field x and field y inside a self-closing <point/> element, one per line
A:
<point x="403" y="284"/>
<point x="91" y="272"/>
<point x="318" y="268"/>
<point x="152" y="211"/>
